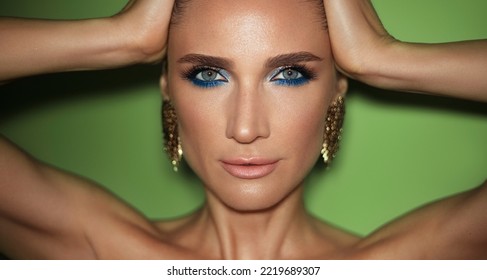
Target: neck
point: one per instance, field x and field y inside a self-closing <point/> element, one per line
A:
<point x="273" y="233"/>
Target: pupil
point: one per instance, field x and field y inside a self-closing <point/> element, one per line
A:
<point x="290" y="74"/>
<point x="208" y="75"/>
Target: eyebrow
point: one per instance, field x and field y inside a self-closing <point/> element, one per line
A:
<point x="207" y="60"/>
<point x="273" y="62"/>
<point x="291" y="58"/>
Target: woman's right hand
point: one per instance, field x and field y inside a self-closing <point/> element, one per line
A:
<point x="147" y="22"/>
<point x="138" y="34"/>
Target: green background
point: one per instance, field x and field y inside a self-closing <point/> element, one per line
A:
<point x="398" y="151"/>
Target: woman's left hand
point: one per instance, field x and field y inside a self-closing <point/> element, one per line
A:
<point x="357" y="35"/>
<point x="365" y="51"/>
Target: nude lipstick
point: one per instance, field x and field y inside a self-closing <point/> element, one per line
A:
<point x="249" y="168"/>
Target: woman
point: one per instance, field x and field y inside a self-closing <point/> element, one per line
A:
<point x="262" y="83"/>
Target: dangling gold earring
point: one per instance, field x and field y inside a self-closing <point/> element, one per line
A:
<point x="333" y="129"/>
<point x="172" y="144"/>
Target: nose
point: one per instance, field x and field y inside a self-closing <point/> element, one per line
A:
<point x="247" y="116"/>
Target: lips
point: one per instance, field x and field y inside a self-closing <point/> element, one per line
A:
<point x="249" y="168"/>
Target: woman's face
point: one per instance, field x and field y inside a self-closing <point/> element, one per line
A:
<point x="251" y="82"/>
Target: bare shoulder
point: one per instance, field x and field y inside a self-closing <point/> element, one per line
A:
<point x="451" y="228"/>
<point x="47" y="213"/>
<point x="174" y="225"/>
<point x="341" y="238"/>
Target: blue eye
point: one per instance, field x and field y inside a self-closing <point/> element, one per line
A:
<point x="291" y="76"/>
<point x="207" y="77"/>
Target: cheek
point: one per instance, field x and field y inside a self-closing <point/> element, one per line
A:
<point x="301" y="129"/>
<point x="199" y="128"/>
<point x="200" y="124"/>
<point x="301" y="117"/>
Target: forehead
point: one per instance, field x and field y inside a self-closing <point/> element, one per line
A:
<point x="248" y="29"/>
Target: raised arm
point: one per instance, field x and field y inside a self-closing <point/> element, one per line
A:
<point x="39" y="216"/>
<point x="365" y="51"/>
<point x="45" y="212"/>
<point x="136" y="35"/>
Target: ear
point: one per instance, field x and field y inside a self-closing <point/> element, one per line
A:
<point x="341" y="85"/>
<point x="163" y="87"/>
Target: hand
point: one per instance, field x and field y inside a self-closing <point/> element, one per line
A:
<point x="138" y="34"/>
<point x="147" y="23"/>
<point x="357" y="35"/>
<point x="363" y="50"/>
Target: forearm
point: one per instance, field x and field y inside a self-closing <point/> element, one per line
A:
<point x="450" y="69"/>
<point x="365" y="51"/>
<point x="30" y="47"/>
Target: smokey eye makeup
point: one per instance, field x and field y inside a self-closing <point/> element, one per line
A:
<point x="292" y="76"/>
<point x="206" y="76"/>
<point x="209" y="76"/>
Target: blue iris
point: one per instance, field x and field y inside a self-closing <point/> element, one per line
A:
<point x="290" y="76"/>
<point x="208" y="77"/>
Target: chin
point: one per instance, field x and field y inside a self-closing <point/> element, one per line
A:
<point x="252" y="196"/>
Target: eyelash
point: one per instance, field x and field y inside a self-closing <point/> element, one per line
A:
<point x="305" y="73"/>
<point x="192" y="73"/>
<point x="304" y="76"/>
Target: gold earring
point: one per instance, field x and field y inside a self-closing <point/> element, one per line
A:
<point x="333" y="129"/>
<point x="172" y="143"/>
